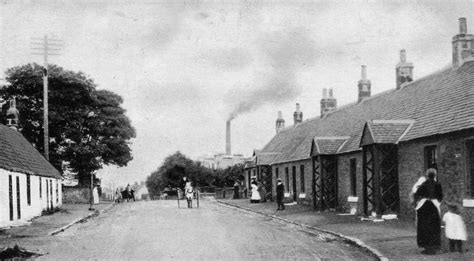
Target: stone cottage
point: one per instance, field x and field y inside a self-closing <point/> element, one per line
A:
<point x="372" y="151"/>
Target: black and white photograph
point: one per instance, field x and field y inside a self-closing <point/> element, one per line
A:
<point x="236" y="130"/>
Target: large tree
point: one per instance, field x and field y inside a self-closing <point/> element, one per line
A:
<point x="87" y="127"/>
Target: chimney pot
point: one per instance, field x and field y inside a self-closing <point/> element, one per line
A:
<point x="280" y="116"/>
<point x="330" y="93"/>
<point x="364" y="72"/>
<point x="403" y="56"/>
<point x="325" y="93"/>
<point x="298" y="107"/>
<point x="462" y="25"/>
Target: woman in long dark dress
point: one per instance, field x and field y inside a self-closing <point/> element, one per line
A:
<point x="428" y="198"/>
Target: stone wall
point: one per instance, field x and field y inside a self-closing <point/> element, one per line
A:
<point x="302" y="198"/>
<point x="452" y="170"/>
<point x="344" y="180"/>
<point x="76" y="195"/>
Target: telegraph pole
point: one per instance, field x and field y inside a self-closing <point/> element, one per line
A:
<point x="45" y="46"/>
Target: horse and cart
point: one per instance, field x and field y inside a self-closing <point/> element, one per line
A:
<point x="125" y="194"/>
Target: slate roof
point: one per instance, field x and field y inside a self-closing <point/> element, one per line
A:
<point x="382" y="131"/>
<point x="440" y="103"/>
<point x="327" y="145"/>
<point x="18" y="155"/>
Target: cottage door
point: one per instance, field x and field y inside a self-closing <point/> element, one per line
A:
<point x="10" y="196"/>
<point x="329" y="182"/>
<point x="18" y="198"/>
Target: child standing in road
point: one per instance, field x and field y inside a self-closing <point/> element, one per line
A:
<point x="454" y="227"/>
<point x="189" y="194"/>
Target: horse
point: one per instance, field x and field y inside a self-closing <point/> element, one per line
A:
<point x="128" y="195"/>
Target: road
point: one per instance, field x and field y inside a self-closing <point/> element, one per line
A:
<point x="158" y="230"/>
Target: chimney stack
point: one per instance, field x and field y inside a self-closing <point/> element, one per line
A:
<point x="328" y="104"/>
<point x="298" y="115"/>
<point x="403" y="70"/>
<point x="364" y="85"/>
<point x="280" y="123"/>
<point x="463" y="44"/>
<point x="227" y="138"/>
<point x="12" y="115"/>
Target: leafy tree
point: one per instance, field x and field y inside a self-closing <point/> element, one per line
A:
<point x="87" y="127"/>
<point x="177" y="166"/>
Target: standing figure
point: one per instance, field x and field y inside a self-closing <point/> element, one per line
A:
<point x="182" y="187"/>
<point x="255" y="198"/>
<point x="263" y="191"/>
<point x="189" y="194"/>
<point x="95" y="195"/>
<point x="236" y="190"/>
<point x="455" y="228"/>
<point x="428" y="197"/>
<point x="118" y="195"/>
<point x="280" y="190"/>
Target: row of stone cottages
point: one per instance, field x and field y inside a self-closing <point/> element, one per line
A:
<point x="374" y="150"/>
<point x="29" y="184"/>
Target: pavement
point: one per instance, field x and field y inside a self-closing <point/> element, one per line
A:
<point x="52" y="224"/>
<point x="388" y="240"/>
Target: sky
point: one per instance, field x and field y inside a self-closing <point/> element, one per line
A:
<point x="184" y="67"/>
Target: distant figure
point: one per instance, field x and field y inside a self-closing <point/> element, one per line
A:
<point x="455" y="228"/>
<point x="280" y="190"/>
<point x="132" y="194"/>
<point x="182" y="186"/>
<point x="189" y="194"/>
<point x="255" y="197"/>
<point x="428" y="197"/>
<point x="118" y="195"/>
<point x="236" y="190"/>
<point x="245" y="192"/>
<point x="95" y="195"/>
<point x="263" y="191"/>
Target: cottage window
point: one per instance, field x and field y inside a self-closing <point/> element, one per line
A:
<point x="302" y="178"/>
<point x="430" y="157"/>
<point x="28" y="189"/>
<point x="276" y="173"/>
<point x="470" y="166"/>
<point x="287" y="179"/>
<point x="353" y="174"/>
<point x="41" y="188"/>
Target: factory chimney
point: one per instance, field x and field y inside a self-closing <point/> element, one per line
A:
<point x="227" y="138"/>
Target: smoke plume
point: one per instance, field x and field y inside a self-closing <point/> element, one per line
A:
<point x="284" y="54"/>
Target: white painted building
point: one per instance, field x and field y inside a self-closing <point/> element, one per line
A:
<point x="29" y="184"/>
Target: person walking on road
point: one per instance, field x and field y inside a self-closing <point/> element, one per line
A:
<point x="428" y="198"/>
<point x="455" y="228"/>
<point x="280" y="190"/>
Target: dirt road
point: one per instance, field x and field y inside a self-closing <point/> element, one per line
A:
<point x="158" y="230"/>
